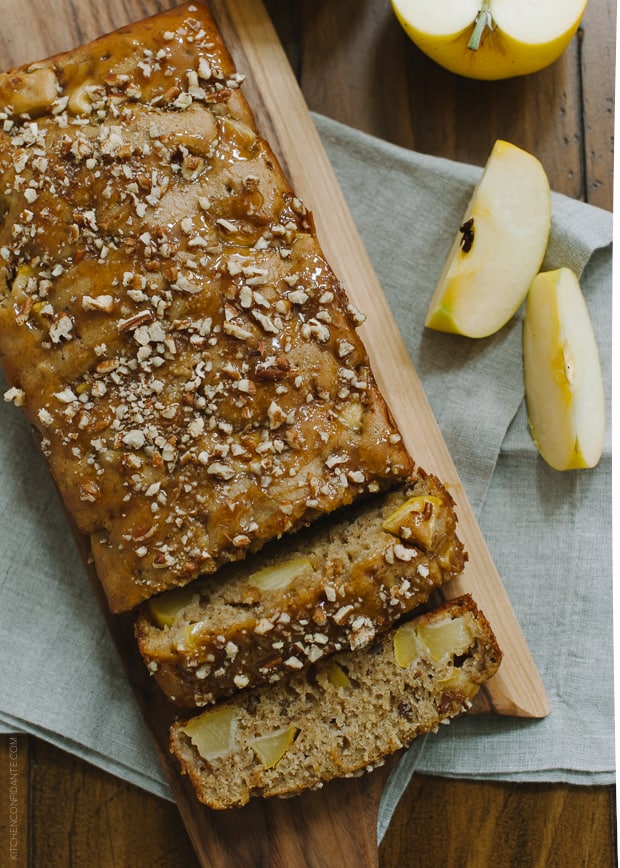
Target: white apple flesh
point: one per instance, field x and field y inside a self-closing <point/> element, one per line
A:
<point x="563" y="380"/>
<point x="498" y="249"/>
<point x="491" y="39"/>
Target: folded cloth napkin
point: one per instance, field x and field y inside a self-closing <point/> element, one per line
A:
<point x="549" y="533"/>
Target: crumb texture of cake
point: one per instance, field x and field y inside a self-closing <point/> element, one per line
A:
<point x="168" y="321"/>
<point x="335" y="585"/>
<point x="344" y="715"/>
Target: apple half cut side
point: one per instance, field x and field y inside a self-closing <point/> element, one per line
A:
<point x="563" y="380"/>
<point x="491" y="39"/>
<point x="498" y="249"/>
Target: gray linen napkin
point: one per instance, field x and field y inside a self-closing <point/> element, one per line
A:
<point x="549" y="533"/>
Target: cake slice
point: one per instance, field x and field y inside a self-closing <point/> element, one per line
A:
<point x="332" y="586"/>
<point x="168" y="321"/>
<point x="345" y="714"/>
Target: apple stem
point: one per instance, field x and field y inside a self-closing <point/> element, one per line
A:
<point x="484" y="19"/>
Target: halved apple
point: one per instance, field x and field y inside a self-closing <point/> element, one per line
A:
<point x="498" y="249"/>
<point x="491" y="39"/>
<point x="563" y="380"/>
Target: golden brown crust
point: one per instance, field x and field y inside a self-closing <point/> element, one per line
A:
<point x="168" y="320"/>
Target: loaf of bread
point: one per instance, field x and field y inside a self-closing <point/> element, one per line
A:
<point x="332" y="586"/>
<point x="194" y="373"/>
<point x="345" y="714"/>
<point x="168" y="320"/>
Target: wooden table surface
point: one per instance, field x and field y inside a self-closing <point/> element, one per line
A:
<point x="355" y="64"/>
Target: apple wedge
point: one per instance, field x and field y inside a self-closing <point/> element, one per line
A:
<point x="491" y="39"/>
<point x="563" y="379"/>
<point x="498" y="249"/>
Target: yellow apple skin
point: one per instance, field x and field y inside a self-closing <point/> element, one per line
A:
<point x="498" y="249"/>
<point x="526" y="36"/>
<point x="563" y="380"/>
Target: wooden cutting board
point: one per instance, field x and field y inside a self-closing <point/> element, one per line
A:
<point x="335" y="825"/>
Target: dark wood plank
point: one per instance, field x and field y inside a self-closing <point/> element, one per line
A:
<point x="598" y="92"/>
<point x="538" y="825"/>
<point x="533" y="825"/>
<point x="83" y="817"/>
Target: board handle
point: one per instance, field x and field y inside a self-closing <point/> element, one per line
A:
<point x="334" y="825"/>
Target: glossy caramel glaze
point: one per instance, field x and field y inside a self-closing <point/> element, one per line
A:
<point x="167" y="318"/>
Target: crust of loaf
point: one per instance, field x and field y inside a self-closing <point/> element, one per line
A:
<point x="354" y="579"/>
<point x="168" y="321"/>
<point x="341" y="730"/>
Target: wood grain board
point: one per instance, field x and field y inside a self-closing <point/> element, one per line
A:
<point x="338" y="822"/>
<point x="283" y="118"/>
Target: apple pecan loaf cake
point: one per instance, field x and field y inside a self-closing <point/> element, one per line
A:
<point x="168" y="320"/>
<point x="345" y="714"/>
<point x="334" y="585"/>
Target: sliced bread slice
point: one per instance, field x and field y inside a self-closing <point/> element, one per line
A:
<point x="333" y="586"/>
<point x="345" y="714"/>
